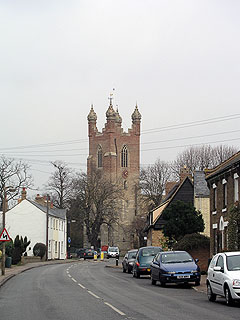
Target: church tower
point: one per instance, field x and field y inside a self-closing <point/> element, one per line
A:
<point x="117" y="154"/>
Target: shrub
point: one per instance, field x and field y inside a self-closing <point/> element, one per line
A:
<point x="19" y="247"/>
<point x="39" y="250"/>
<point x="192" y="241"/>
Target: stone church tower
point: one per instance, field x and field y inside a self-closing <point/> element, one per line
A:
<point x="117" y="154"/>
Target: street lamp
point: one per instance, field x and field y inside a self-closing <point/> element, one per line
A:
<point x="5" y="189"/>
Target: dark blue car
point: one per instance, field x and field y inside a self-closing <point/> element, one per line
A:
<point x="174" y="267"/>
<point x="143" y="260"/>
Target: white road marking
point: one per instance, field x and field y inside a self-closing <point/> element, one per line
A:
<point x="69" y="276"/>
<point x="80" y="285"/>
<point x="93" y="294"/>
<point x="115" y="309"/>
<point x="74" y="280"/>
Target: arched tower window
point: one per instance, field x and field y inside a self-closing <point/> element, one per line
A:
<point x="124" y="157"/>
<point x="100" y="157"/>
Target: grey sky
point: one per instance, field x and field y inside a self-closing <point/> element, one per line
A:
<point x="178" y="59"/>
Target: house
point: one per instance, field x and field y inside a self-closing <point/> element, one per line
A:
<point x="223" y="182"/>
<point x="202" y="199"/>
<point x="29" y="218"/>
<point x="194" y="191"/>
<point x="183" y="191"/>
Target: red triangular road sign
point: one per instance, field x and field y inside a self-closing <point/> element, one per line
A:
<point x="4" y="236"/>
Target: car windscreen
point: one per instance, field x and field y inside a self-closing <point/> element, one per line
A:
<point x="176" y="257"/>
<point x="113" y="249"/>
<point x="233" y="262"/>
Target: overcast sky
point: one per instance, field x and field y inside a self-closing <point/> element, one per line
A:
<point x="179" y="59"/>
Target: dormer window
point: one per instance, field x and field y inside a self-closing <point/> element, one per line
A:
<point x="100" y="157"/>
<point x="124" y="157"/>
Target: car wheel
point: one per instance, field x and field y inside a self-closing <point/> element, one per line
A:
<point x="197" y="283"/>
<point x="137" y="274"/>
<point x="210" y="294"/>
<point x="124" y="270"/>
<point x="153" y="281"/>
<point x="228" y="296"/>
<point x="162" y="284"/>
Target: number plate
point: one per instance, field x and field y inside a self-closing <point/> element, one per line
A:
<point x="183" y="277"/>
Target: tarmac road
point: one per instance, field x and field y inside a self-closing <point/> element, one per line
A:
<point x="88" y="290"/>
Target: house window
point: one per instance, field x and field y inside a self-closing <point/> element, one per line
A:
<point x="236" y="196"/>
<point x="124" y="157"/>
<point x="56" y="224"/>
<point x="51" y="223"/>
<point x="49" y="245"/>
<point x="224" y="182"/>
<point x="61" y="246"/>
<point x="56" y="247"/>
<point x="214" y="197"/>
<point x="100" y="157"/>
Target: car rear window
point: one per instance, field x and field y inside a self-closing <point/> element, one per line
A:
<point x="233" y="262"/>
<point x="131" y="254"/>
<point x="176" y="257"/>
<point x="147" y="252"/>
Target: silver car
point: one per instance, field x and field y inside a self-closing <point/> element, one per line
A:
<point x="224" y="277"/>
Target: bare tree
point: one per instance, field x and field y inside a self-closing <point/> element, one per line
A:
<point x="201" y="157"/>
<point x="13" y="173"/>
<point x="153" y="180"/>
<point x="98" y="203"/>
<point x="60" y="184"/>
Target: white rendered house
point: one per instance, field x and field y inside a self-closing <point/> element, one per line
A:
<point x="29" y="218"/>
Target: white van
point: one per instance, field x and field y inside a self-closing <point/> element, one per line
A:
<point x="113" y="252"/>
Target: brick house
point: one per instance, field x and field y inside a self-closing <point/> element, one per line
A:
<point x="223" y="182"/>
<point x="117" y="154"/>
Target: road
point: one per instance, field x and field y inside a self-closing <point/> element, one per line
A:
<point x="88" y="290"/>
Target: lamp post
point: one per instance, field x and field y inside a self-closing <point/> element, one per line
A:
<point x="5" y="189"/>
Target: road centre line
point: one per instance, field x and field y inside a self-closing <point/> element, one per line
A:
<point x="97" y="297"/>
<point x="93" y="294"/>
<point x="115" y="309"/>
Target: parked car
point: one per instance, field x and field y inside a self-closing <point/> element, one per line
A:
<point x="80" y="252"/>
<point x="175" y="267"/>
<point x="88" y="254"/>
<point x="143" y="260"/>
<point x="113" y="252"/>
<point x="128" y="260"/>
<point x="223" y="277"/>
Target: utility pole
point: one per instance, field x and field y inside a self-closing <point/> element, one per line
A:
<point x="47" y="215"/>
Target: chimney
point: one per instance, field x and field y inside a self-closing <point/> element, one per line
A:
<point x="185" y="172"/>
<point x="39" y="199"/>
<point x="168" y="186"/>
<point x="24" y="194"/>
